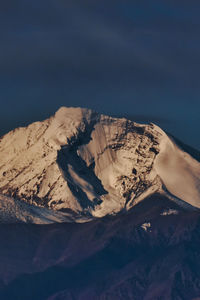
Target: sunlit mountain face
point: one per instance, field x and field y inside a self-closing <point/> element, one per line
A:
<point x="97" y="207"/>
<point x="78" y="165"/>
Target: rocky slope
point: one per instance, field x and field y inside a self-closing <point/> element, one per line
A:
<point x="81" y="163"/>
<point x="150" y="253"/>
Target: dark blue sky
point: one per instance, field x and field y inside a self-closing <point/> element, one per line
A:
<point x="136" y="58"/>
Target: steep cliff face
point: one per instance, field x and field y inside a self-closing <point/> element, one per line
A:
<point x="80" y="162"/>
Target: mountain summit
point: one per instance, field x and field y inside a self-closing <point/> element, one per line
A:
<point x="83" y="165"/>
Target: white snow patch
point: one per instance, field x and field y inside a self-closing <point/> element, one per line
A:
<point x="16" y="211"/>
<point x="146" y="226"/>
<point x="169" y="211"/>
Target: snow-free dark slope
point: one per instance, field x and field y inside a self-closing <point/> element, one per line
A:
<point x="78" y="165"/>
<point x="151" y="253"/>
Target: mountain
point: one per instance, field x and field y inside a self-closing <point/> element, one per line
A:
<point x="98" y="208"/>
<point x="81" y="165"/>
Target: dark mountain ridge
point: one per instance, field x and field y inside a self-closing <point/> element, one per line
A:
<point x="150" y="252"/>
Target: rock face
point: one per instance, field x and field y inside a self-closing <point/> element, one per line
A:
<point x="80" y="162"/>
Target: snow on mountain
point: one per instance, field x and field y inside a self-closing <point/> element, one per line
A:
<point x="179" y="171"/>
<point x="79" y="162"/>
<point x="12" y="211"/>
<point x="17" y="211"/>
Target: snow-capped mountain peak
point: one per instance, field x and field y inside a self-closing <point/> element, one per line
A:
<point x="87" y="164"/>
